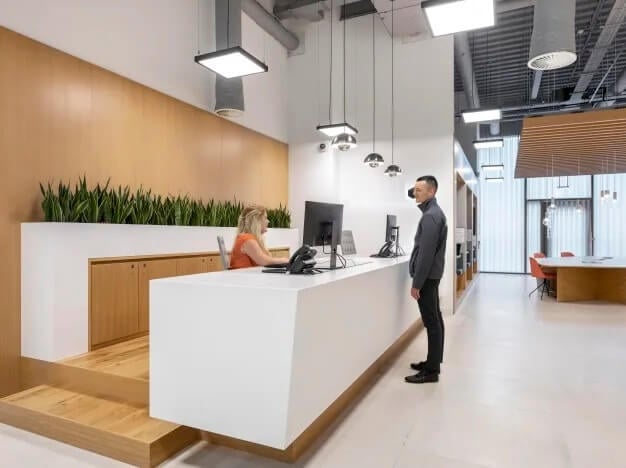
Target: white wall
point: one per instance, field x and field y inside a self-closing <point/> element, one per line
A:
<point x="153" y="42"/>
<point x="424" y="105"/>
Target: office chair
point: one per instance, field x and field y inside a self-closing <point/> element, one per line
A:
<point x="539" y="255"/>
<point x="537" y="272"/>
<point x="223" y="253"/>
<point x="567" y="254"/>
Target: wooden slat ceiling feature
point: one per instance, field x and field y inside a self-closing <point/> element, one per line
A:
<point x="597" y="139"/>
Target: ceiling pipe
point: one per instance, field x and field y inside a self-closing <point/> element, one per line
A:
<point x="463" y="61"/>
<point x="606" y="38"/>
<point x="269" y="24"/>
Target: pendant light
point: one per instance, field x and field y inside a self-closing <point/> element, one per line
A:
<point x="233" y="61"/>
<point x="332" y="130"/>
<point x="552" y="202"/>
<point x="393" y="170"/>
<point x="374" y="159"/>
<point x="614" y="178"/>
<point x="579" y="206"/>
<point x="344" y="141"/>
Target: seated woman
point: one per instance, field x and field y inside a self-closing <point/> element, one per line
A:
<point x="249" y="248"/>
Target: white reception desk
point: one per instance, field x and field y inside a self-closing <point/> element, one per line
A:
<point x="259" y="357"/>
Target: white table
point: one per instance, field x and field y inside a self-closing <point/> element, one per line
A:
<point x="259" y="357"/>
<point x="588" y="278"/>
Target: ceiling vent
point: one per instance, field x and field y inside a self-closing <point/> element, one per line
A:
<point x="553" y="43"/>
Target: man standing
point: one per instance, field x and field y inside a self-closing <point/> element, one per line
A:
<point x="426" y="269"/>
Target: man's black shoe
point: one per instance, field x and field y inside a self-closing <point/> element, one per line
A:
<point x="418" y="366"/>
<point x="422" y="377"/>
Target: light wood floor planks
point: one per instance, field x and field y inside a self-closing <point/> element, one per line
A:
<point x="127" y="359"/>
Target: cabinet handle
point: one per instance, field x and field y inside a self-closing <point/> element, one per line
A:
<point x="132" y="266"/>
<point x="144" y="265"/>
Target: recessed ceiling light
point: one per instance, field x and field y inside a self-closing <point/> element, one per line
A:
<point x="452" y="16"/>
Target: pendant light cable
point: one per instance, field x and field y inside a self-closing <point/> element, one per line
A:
<point x="392" y="83"/>
<point x="198" y="29"/>
<point x="330" y="83"/>
<point x="374" y="82"/>
<point x="344" y="61"/>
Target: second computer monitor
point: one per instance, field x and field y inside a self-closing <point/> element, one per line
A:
<point x="320" y="219"/>
<point x="390" y="232"/>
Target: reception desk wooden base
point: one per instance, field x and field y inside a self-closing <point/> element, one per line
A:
<point x="580" y="280"/>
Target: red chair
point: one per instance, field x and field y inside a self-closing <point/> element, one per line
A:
<point x="539" y="255"/>
<point x="567" y="254"/>
<point x="537" y="272"/>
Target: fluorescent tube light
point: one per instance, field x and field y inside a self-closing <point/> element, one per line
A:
<point x="486" y="144"/>
<point x="337" y="129"/>
<point x="231" y="62"/>
<point x="488" y="115"/>
<point x="452" y="16"/>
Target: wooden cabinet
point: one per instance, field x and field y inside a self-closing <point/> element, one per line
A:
<point x="214" y="263"/>
<point x="119" y="290"/>
<point x="191" y="266"/>
<point x="114" y="301"/>
<point x="149" y="270"/>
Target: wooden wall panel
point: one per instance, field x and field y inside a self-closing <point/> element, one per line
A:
<point x="61" y="117"/>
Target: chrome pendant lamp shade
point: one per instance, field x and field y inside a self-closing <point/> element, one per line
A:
<point x="344" y="142"/>
<point x="393" y="171"/>
<point x="374" y="160"/>
<point x="553" y="42"/>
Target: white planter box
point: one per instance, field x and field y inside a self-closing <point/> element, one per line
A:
<point x="55" y="309"/>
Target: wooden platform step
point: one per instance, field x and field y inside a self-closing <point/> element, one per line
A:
<point x="123" y="431"/>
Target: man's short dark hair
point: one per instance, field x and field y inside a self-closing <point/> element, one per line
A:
<point x="430" y="180"/>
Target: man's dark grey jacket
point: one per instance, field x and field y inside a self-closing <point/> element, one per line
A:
<point x="429" y="252"/>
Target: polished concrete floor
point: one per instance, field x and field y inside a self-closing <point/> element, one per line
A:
<point x="525" y="383"/>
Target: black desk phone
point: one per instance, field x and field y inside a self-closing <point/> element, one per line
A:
<point x="302" y="262"/>
<point x="386" y="250"/>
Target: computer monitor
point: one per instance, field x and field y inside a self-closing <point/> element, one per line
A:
<point x="322" y="226"/>
<point x="390" y="232"/>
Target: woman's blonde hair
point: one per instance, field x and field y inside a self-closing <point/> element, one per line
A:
<point x="251" y="222"/>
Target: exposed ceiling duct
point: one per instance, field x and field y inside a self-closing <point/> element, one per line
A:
<point x="269" y="23"/>
<point x="553" y="43"/>
<point x="228" y="91"/>
<point x="463" y="62"/>
<point x="607" y="36"/>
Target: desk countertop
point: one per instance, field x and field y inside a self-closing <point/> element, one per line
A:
<point x="583" y="262"/>
<point x="255" y="278"/>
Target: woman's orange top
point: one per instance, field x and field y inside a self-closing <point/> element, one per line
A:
<point x="238" y="259"/>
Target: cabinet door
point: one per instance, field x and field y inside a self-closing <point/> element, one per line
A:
<point x="114" y="301"/>
<point x="214" y="263"/>
<point x="191" y="266"/>
<point x="149" y="270"/>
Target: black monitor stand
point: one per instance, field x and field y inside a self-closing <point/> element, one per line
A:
<point x="333" y="244"/>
